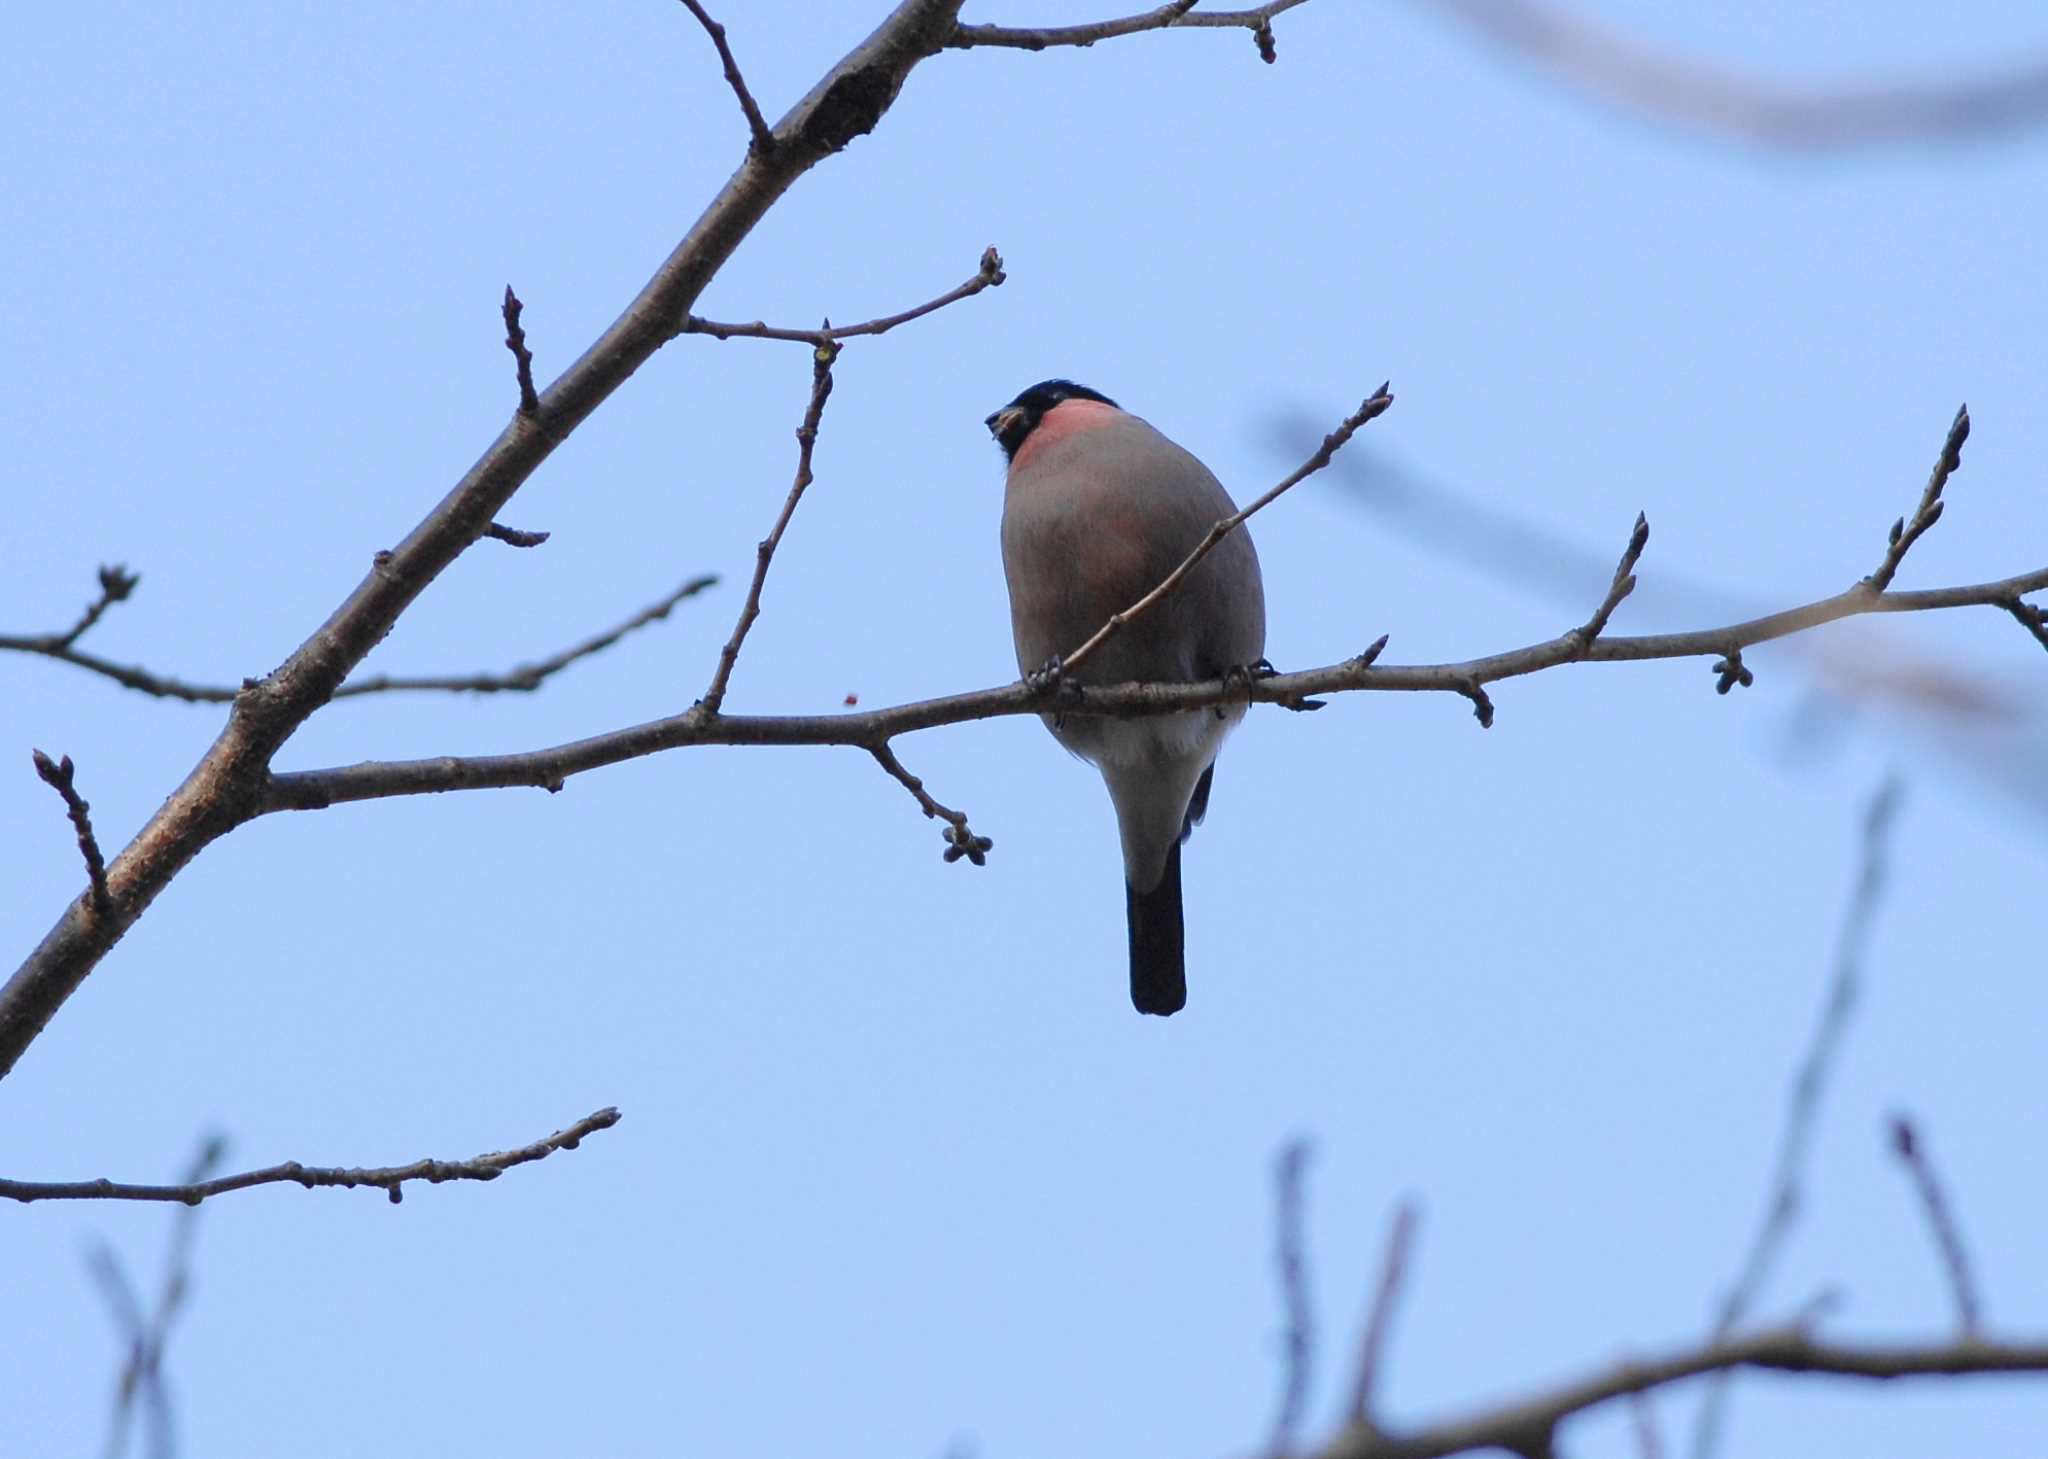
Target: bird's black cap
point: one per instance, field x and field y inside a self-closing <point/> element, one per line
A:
<point x="1014" y="423"/>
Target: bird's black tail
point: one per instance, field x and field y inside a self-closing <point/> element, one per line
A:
<point x="1159" y="978"/>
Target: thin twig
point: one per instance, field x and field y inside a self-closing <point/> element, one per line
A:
<point x="1904" y="532"/>
<point x="1781" y="1205"/>
<point x="988" y="276"/>
<point x="960" y="841"/>
<point x="2034" y="620"/>
<point x="142" y="1373"/>
<point x="1686" y="90"/>
<point x="1372" y="1351"/>
<point x="116" y="583"/>
<point x="1375" y="404"/>
<point x="1290" y="1261"/>
<point x="513" y="537"/>
<point x="387" y="1178"/>
<point x="1642" y="1416"/>
<point x="1524" y="1426"/>
<point x="528" y="677"/>
<point x="763" y="138"/>
<point x="1941" y="1220"/>
<point x="57" y="774"/>
<point x="1624" y="581"/>
<point x="318" y="789"/>
<point x="515" y="341"/>
<point x="764" y="553"/>
<point x="524" y="678"/>
<point x="1174" y="15"/>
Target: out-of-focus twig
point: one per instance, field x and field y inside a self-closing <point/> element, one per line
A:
<point x="1372" y="1351"/>
<point x="1290" y="1260"/>
<point x="1948" y="1237"/>
<point x="1781" y="1205"/>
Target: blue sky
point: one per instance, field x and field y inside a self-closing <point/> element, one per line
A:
<point x="899" y="1165"/>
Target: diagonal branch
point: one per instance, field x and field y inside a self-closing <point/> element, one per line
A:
<point x="1906" y="532"/>
<point x="1802" y="1114"/>
<point x="1375" y="405"/>
<point x="1948" y="1237"/>
<point x="757" y="125"/>
<point x="960" y="841"/>
<point x="389" y="1178"/>
<point x="58" y="775"/>
<point x="1173" y="15"/>
<point x="228" y="785"/>
<point x="764" y="553"/>
<point x="988" y="276"/>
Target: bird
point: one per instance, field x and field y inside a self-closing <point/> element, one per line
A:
<point x="1098" y="508"/>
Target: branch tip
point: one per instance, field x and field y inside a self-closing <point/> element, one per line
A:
<point x="58" y="775"/>
<point x="515" y="341"/>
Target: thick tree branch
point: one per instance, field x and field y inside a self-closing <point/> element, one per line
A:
<point x="988" y="276"/>
<point x="229" y="783"/>
<point x="389" y="1178"/>
<point x="1177" y="14"/>
<point x="1526" y="1427"/>
<point x="763" y="140"/>
<point x="1685" y="90"/>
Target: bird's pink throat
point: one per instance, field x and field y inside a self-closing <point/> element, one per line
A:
<point x="1068" y="418"/>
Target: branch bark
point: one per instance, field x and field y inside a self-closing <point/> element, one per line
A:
<point x="230" y="783"/>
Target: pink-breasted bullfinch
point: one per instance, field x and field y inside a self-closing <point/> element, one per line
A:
<point x="1098" y="509"/>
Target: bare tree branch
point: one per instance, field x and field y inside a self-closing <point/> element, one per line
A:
<point x="1375" y="405"/>
<point x="988" y="276"/>
<point x="960" y="841"/>
<point x="757" y="125"/>
<point x="1176" y="14"/>
<point x="1948" y="1238"/>
<point x="228" y="784"/>
<point x="523" y="678"/>
<point x="388" y="1178"/>
<point x="1290" y="1260"/>
<point x="1526" y="1427"/>
<point x="116" y="583"/>
<point x="57" y="774"/>
<point x="2034" y="620"/>
<point x="764" y="553"/>
<point x="1685" y="90"/>
<point x="528" y="677"/>
<point x="318" y="789"/>
<point x="1788" y="1171"/>
<point x="1906" y="532"/>
<point x="513" y="537"/>
<point x="515" y="341"/>
<point x="1372" y="1352"/>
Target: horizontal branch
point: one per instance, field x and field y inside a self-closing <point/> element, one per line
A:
<point x="1527" y="1427"/>
<point x="1178" y="14"/>
<point x="523" y="678"/>
<point x="387" y="1178"/>
<point x="550" y="768"/>
<point x="988" y="276"/>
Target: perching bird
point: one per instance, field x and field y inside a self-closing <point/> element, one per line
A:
<point x="1098" y="509"/>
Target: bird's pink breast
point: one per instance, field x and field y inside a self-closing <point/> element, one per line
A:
<point x="1067" y="419"/>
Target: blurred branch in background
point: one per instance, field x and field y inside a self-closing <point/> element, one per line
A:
<point x="1781" y="1205"/>
<point x="141" y="1378"/>
<point x="1529" y="1427"/>
<point x="1687" y="91"/>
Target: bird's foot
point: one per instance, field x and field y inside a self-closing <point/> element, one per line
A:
<point x="1250" y="674"/>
